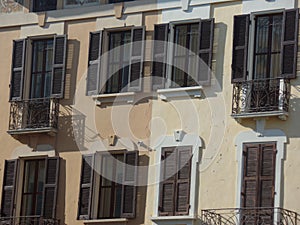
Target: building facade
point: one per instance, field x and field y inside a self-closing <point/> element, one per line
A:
<point x="149" y="112"/>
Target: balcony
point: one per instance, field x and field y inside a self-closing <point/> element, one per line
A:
<point x="27" y="220"/>
<point x="34" y="116"/>
<point x="261" y="98"/>
<point x="250" y="216"/>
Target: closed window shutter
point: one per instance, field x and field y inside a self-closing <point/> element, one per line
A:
<point x="8" y="189"/>
<point x="136" y="59"/>
<point x="129" y="188"/>
<point x="159" y="56"/>
<point x="183" y="181"/>
<point x="18" y="70"/>
<point x="259" y="175"/>
<point x="167" y="185"/>
<point x="86" y="187"/>
<point x="94" y="64"/>
<point x="289" y="45"/>
<point x="240" y="48"/>
<point x="50" y="187"/>
<point x="206" y="39"/>
<point x="59" y="66"/>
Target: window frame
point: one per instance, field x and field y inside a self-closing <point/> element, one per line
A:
<point x="252" y="38"/>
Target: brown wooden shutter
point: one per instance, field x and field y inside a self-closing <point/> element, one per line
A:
<point x="182" y="197"/>
<point x="86" y="187"/>
<point x="8" y="188"/>
<point x="50" y="187"/>
<point x="129" y="188"/>
<point x="18" y="70"/>
<point x="136" y="59"/>
<point x="240" y="48"/>
<point x="94" y="64"/>
<point x="159" y="61"/>
<point x="206" y="39"/>
<point x="289" y="45"/>
<point x="250" y="181"/>
<point x="59" y="66"/>
<point x="168" y="181"/>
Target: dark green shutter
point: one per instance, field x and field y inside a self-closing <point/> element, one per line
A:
<point x="8" y="188"/>
<point x="59" y="66"/>
<point x="94" y="63"/>
<point x="129" y="184"/>
<point x="240" y="48"/>
<point x="206" y="39"/>
<point x="182" y="197"/>
<point x="86" y="187"/>
<point x="159" y="59"/>
<point x="50" y="187"/>
<point x="18" y="70"/>
<point x="289" y="45"/>
<point x="136" y="59"/>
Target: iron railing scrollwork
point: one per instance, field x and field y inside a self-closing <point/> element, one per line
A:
<point x="28" y="220"/>
<point x="34" y="114"/>
<point x="249" y="216"/>
<point x="266" y="95"/>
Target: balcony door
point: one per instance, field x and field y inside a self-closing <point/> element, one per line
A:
<point x="258" y="183"/>
<point x="32" y="195"/>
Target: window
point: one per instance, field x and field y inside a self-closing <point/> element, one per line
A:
<point x="116" y="61"/>
<point x="80" y="2"/>
<point x="191" y="40"/>
<point x="114" y="186"/>
<point x="39" y="187"/>
<point x="274" y="49"/>
<point x="44" y="5"/>
<point x="174" y="194"/>
<point x="258" y="188"/>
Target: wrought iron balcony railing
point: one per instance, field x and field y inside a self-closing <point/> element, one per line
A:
<point x="258" y="97"/>
<point x="28" y="220"/>
<point x="250" y="216"/>
<point x="33" y="115"/>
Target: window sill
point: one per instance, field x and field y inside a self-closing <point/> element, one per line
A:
<point x="126" y="97"/>
<point x="171" y="93"/>
<point x="118" y="220"/>
<point x="280" y="114"/>
<point x="173" y="218"/>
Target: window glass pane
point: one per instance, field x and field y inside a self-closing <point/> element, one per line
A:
<point x="27" y="205"/>
<point x="275" y="65"/>
<point x="41" y="176"/>
<point x="276" y="33"/>
<point x="194" y="37"/>
<point x="261" y="67"/>
<point x="44" y="5"/>
<point x="29" y="177"/>
<point x="262" y="34"/>
<point x="80" y="2"/>
<point x="105" y="203"/>
<point x="118" y="201"/>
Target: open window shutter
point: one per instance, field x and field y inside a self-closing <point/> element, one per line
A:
<point x="95" y="51"/>
<point x="182" y="197"/>
<point x="289" y="45"/>
<point x="8" y="189"/>
<point x="86" y="187"/>
<point x="18" y="70"/>
<point x="59" y="66"/>
<point x="167" y="185"/>
<point x="159" y="61"/>
<point x="129" y="184"/>
<point x="136" y="59"/>
<point x="50" y="187"/>
<point x="240" y="48"/>
<point x="250" y="179"/>
<point x="206" y="39"/>
<point x="267" y="174"/>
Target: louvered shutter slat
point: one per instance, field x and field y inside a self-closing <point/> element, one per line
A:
<point x="59" y="66"/>
<point x="129" y="184"/>
<point x="289" y="45"/>
<point x="50" y="187"/>
<point x="18" y="70"/>
<point x="8" y="189"/>
<point x="94" y="64"/>
<point x="240" y="48"/>
<point x="136" y="59"/>
<point x="160" y="49"/>
<point x="206" y="37"/>
<point x="86" y="187"/>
